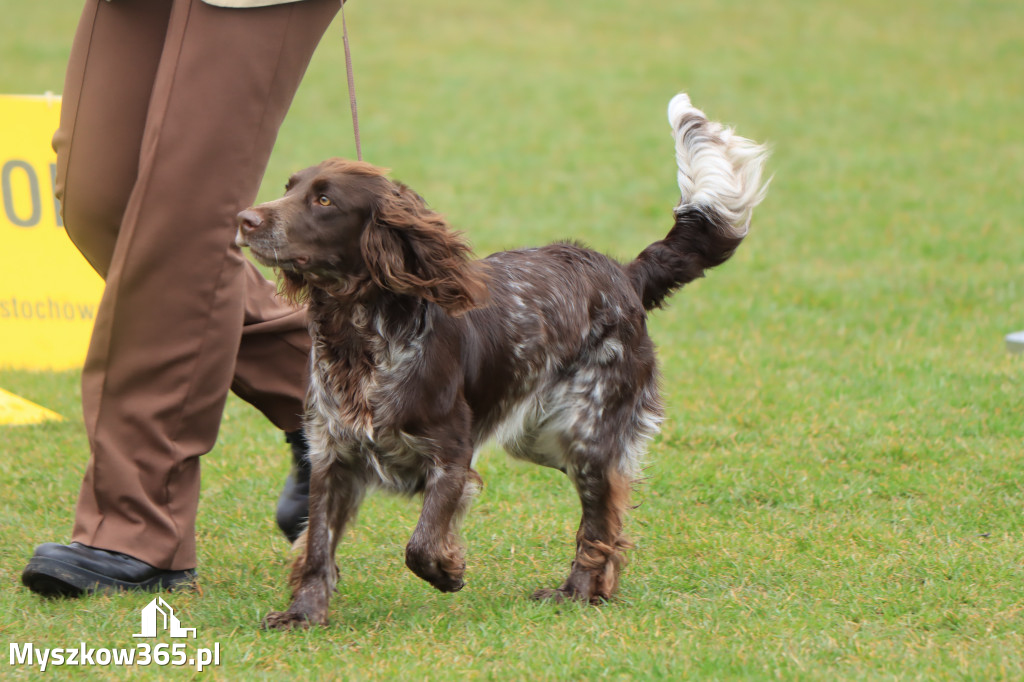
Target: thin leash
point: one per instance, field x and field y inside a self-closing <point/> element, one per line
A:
<point x="351" y="82"/>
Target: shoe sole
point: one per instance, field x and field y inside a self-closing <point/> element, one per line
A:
<point x="52" y="578"/>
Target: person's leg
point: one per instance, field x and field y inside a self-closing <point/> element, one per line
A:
<point x="113" y="62"/>
<point x="99" y="144"/>
<point x="272" y="373"/>
<point x="169" y="331"/>
<point x="272" y="365"/>
<point x="109" y="81"/>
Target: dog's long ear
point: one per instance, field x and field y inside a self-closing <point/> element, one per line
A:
<point x="409" y="249"/>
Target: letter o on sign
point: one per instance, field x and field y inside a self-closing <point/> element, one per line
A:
<point x="33" y="187"/>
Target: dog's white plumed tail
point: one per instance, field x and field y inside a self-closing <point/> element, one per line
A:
<point x="720" y="182"/>
<point x="717" y="168"/>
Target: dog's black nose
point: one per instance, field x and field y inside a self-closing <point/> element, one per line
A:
<point x="249" y="220"/>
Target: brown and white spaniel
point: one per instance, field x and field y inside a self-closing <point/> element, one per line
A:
<point x="421" y="353"/>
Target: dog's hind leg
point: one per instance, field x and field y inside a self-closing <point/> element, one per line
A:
<point x="335" y="494"/>
<point x="600" y="542"/>
<point x="435" y="552"/>
<point x="604" y="429"/>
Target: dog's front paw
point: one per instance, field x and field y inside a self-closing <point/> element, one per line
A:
<point x="288" y="620"/>
<point x="448" y="583"/>
<point x="445" y="572"/>
<point x="436" y="575"/>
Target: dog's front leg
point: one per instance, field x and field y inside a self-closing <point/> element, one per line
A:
<point x="435" y="552"/>
<point x="335" y="493"/>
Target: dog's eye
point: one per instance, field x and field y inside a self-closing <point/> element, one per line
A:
<point x="324" y="200"/>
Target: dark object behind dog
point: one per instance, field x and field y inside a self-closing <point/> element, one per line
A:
<point x="421" y="354"/>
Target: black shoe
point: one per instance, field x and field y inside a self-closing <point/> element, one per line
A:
<point x="293" y="504"/>
<point x="57" y="570"/>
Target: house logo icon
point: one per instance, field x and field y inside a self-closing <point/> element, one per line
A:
<point x="158" y="614"/>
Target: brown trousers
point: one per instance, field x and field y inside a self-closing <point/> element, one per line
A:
<point x="170" y="112"/>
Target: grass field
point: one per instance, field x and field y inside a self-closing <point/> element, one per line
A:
<point x="837" y="491"/>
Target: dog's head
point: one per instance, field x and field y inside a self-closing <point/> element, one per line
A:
<point x="343" y="226"/>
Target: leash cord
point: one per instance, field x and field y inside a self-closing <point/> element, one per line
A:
<point x="351" y="82"/>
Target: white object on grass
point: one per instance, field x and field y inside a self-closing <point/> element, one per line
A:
<point x="1015" y="342"/>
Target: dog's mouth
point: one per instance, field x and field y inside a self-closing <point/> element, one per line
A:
<point x="272" y="257"/>
<point x="291" y="258"/>
<point x="297" y="264"/>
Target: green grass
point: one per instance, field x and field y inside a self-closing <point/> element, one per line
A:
<point x="837" y="491"/>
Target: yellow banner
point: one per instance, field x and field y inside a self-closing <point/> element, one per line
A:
<point x="48" y="292"/>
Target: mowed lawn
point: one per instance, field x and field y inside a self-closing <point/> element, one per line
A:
<point x="837" y="489"/>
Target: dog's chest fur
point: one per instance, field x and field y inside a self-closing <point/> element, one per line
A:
<point x="361" y="364"/>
